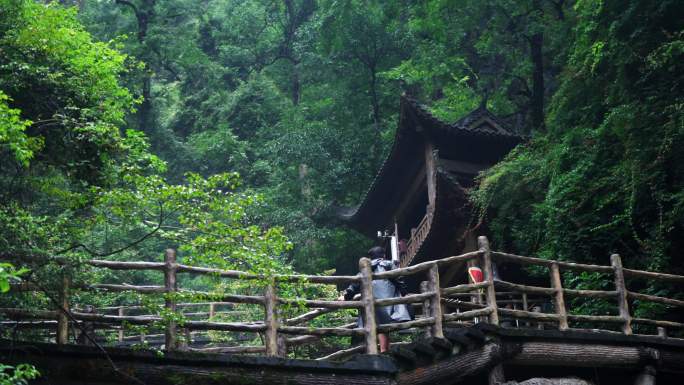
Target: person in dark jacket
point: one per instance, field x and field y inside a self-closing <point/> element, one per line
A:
<point x="382" y="288"/>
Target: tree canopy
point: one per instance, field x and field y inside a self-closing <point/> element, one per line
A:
<point x="227" y="128"/>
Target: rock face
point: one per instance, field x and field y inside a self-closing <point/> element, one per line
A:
<point x="551" y="381"/>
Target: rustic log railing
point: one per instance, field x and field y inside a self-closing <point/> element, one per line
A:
<point x="504" y="303"/>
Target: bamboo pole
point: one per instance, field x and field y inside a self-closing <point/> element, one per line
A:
<point x="559" y="301"/>
<point x="171" y="338"/>
<point x="483" y="244"/>
<point x="271" y="320"/>
<point x="368" y="311"/>
<point x="435" y="302"/>
<point x="621" y="289"/>
<point x="62" y="319"/>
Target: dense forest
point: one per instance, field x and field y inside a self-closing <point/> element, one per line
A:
<point x="227" y="128"/>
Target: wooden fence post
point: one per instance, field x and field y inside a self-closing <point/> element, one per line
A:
<point x="62" y="318"/>
<point x="559" y="301"/>
<point x="435" y="302"/>
<point x="271" y="319"/>
<point x="121" y="313"/>
<point x="171" y="338"/>
<point x="621" y="289"/>
<point x="368" y="313"/>
<point x="424" y="288"/>
<point x="212" y="310"/>
<point x="483" y="245"/>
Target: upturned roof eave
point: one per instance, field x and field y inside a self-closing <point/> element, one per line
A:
<point x="414" y="116"/>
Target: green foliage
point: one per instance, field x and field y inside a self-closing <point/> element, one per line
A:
<point x="12" y="132"/>
<point x="17" y="375"/>
<point x="607" y="177"/>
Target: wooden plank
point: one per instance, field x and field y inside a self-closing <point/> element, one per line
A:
<point x="435" y="302"/>
<point x="483" y="244"/>
<point x="559" y="301"/>
<point x="271" y="320"/>
<point x="623" y="305"/>
<point x="368" y="311"/>
<point x="170" y="334"/>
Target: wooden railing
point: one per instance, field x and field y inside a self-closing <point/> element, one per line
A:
<point x="417" y="238"/>
<point x="493" y="301"/>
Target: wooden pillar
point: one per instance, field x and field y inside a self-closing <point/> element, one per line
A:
<point x="430" y="173"/>
<point x="424" y="288"/>
<point x="271" y="320"/>
<point x="212" y="310"/>
<point x="368" y="313"/>
<point x="62" y="317"/>
<point x="526" y="307"/>
<point x="171" y="338"/>
<point x="559" y="300"/>
<point x="435" y="302"/>
<point x="621" y="289"/>
<point x="483" y="244"/>
<point x="121" y="313"/>
<point x="646" y="377"/>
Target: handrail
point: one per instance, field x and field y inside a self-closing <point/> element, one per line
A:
<point x="489" y="300"/>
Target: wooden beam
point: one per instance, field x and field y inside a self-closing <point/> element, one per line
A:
<point x="62" y="319"/>
<point x="621" y="289"/>
<point x="483" y="244"/>
<point x="430" y="173"/>
<point x="559" y="301"/>
<point x="171" y="339"/>
<point x="425" y="288"/>
<point x="462" y="167"/>
<point x="435" y="302"/>
<point x="271" y="320"/>
<point x="368" y="311"/>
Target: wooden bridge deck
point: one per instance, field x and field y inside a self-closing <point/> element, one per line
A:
<point x="465" y="355"/>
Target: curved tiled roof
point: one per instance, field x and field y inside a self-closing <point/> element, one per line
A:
<point x="415" y="117"/>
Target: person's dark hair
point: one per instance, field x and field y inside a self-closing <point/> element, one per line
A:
<point x="376" y="252"/>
